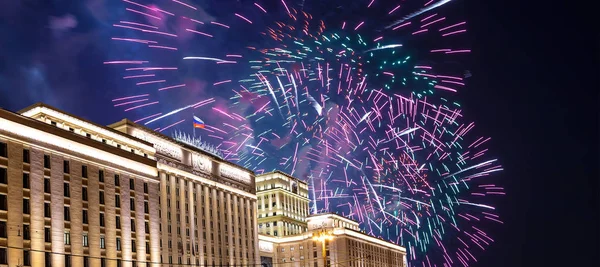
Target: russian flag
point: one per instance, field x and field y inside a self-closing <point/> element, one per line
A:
<point x="198" y="123"/>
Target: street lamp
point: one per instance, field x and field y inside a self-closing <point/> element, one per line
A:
<point x="322" y="236"/>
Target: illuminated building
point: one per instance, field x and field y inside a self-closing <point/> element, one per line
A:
<point x="289" y="236"/>
<point x="74" y="193"/>
<point x="208" y="205"/>
<point x="334" y="236"/>
<point x="282" y="204"/>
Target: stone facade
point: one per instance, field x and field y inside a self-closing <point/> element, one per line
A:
<point x="90" y="195"/>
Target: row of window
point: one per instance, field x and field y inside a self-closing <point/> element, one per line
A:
<point x="67" y="236"/>
<point x="67" y="263"/>
<point x="26" y="182"/>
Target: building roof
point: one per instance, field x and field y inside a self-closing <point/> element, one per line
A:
<point x="282" y="173"/>
<point x="30" y="108"/>
<point x="73" y="137"/>
<point x="128" y="122"/>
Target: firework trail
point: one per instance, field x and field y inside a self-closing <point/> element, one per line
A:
<point x="367" y="117"/>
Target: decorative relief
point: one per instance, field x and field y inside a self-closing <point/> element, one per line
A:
<point x="201" y="163"/>
<point x="265" y="246"/>
<point x="161" y="146"/>
<point x="234" y="173"/>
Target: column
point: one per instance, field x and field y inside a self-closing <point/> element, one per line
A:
<point x="255" y="230"/>
<point x="125" y="221"/>
<point x="192" y="216"/>
<point x="228" y="229"/>
<point x="94" y="215"/>
<point x="155" y="234"/>
<point x="199" y="196"/>
<point x="182" y="225"/>
<point x="236" y="232"/>
<point x="207" y="211"/>
<point x="140" y="229"/>
<point x="15" y="203"/>
<point x="57" y="204"/>
<point x="36" y="180"/>
<point x="110" y="226"/>
<point x="76" y="230"/>
<point x="174" y="251"/>
<point x="164" y="223"/>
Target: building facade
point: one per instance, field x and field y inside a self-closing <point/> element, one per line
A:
<point x="331" y="240"/>
<point x="74" y="193"/>
<point x="207" y="205"/>
<point x="282" y="204"/>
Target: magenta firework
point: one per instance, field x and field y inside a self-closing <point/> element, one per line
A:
<point x="359" y="101"/>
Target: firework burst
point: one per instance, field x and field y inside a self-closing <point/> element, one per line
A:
<point x="362" y="110"/>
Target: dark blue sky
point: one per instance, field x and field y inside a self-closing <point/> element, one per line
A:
<point x="533" y="64"/>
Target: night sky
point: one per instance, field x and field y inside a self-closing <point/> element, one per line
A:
<point x="533" y="64"/>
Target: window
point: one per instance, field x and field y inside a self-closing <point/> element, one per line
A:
<point x="84" y="195"/>
<point x="86" y="261"/>
<point x="147" y="227"/>
<point x="101" y="176"/>
<point x="3" y="149"/>
<point x="26" y="258"/>
<point x="85" y="216"/>
<point x="26" y="180"/>
<point x="47" y="161"/>
<point x="118" y="244"/>
<point x="84" y="171"/>
<point x="146" y="188"/>
<point x="47" y="210"/>
<point x="85" y="240"/>
<point x="131" y="184"/>
<point x="3" y="202"/>
<point x="101" y="197"/>
<point x="132" y="204"/>
<point x="67" y="211"/>
<point x="67" y="260"/>
<point x="102" y="242"/>
<point x="26" y="232"/>
<point x="117" y="201"/>
<point x="118" y="222"/>
<point x="67" y="191"/>
<point x="3" y="254"/>
<point x="132" y="225"/>
<point x="147" y="247"/>
<point x="3" y="176"/>
<point x="47" y="235"/>
<point x="26" y="158"/>
<point x="67" y="238"/>
<point x="48" y="259"/>
<point x="133" y="248"/>
<point x="102" y="262"/>
<point x="117" y="180"/>
<point x="146" y="207"/>
<point x="3" y="230"/>
<point x="26" y="206"/>
<point x="46" y="185"/>
<point x="102" y="219"/>
<point x="66" y="167"/>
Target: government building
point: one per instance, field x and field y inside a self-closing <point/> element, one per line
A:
<point x="78" y="194"/>
<point x="75" y="193"/>
<point x="289" y="236"/>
